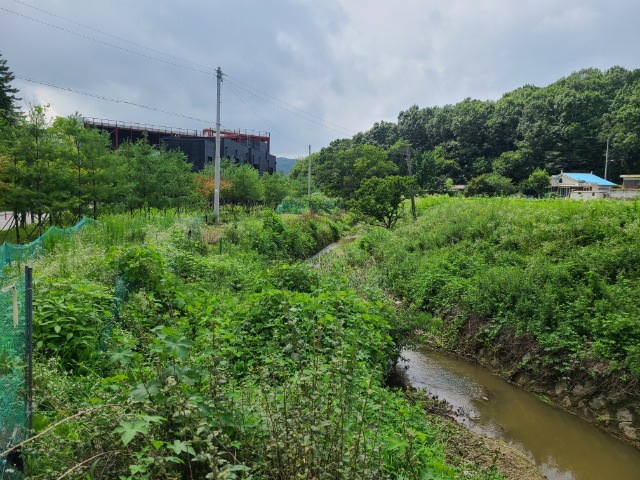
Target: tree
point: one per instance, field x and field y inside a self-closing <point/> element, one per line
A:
<point x="46" y="174"/>
<point x="513" y="165"/>
<point x="155" y="178"/>
<point x="341" y="173"/>
<point x="245" y="188"/>
<point x="490" y="184"/>
<point x="275" y="187"/>
<point x="86" y="150"/>
<point x="412" y="127"/>
<point x="427" y="175"/>
<point x="8" y="107"/>
<point x="381" y="198"/>
<point x="537" y="183"/>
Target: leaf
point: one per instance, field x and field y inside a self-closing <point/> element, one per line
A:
<point x="129" y="430"/>
<point x="120" y="356"/>
<point x="157" y="444"/>
<point x="179" y="446"/>
<point x="145" y="390"/>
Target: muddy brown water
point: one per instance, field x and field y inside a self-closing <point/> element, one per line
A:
<point x="563" y="446"/>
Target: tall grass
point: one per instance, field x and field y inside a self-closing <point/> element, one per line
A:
<point x="565" y="274"/>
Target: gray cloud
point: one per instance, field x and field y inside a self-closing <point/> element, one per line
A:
<point x="349" y="62"/>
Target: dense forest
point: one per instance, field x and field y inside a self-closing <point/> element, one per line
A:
<point x="564" y="125"/>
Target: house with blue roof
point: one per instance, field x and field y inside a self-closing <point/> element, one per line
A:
<point x="581" y="186"/>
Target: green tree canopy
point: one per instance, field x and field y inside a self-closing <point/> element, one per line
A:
<point x="490" y="184"/>
<point x="245" y="187"/>
<point x="381" y="198"/>
<point x="275" y="187"/>
<point x="8" y="99"/>
<point x="340" y="173"/>
<point x="537" y="183"/>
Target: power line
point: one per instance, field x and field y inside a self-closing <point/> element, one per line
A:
<point x="288" y="104"/>
<point x="109" y="99"/>
<point x="261" y="95"/>
<point x="106" y="43"/>
<point x="285" y="109"/>
<point x="257" y="113"/>
<point x="211" y="70"/>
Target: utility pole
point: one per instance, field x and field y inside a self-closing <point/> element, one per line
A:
<point x="309" y="172"/>
<point x="413" y="198"/>
<point x="216" y="186"/>
<point x="606" y="159"/>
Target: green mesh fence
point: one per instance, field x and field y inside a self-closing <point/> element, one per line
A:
<point x="292" y="205"/>
<point x="13" y="348"/>
<point x="13" y="342"/>
<point x="120" y="294"/>
<point x="20" y="253"/>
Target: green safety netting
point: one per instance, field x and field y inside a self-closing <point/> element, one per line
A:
<point x="13" y="351"/>
<point x="19" y="253"/>
<point x="291" y="205"/>
<point x="13" y="343"/>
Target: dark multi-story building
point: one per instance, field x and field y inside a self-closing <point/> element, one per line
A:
<point x="244" y="147"/>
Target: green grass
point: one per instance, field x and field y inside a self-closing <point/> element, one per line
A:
<point x="561" y="273"/>
<point x="240" y="364"/>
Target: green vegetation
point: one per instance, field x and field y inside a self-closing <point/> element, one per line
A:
<point x="564" y="125"/>
<point x="164" y="358"/>
<point x="382" y="198"/>
<point x="8" y="99"/>
<point x="560" y="277"/>
<point x="166" y="348"/>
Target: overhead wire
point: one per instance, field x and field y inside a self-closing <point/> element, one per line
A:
<point x="257" y="113"/>
<point x="209" y="69"/>
<point x="285" y="109"/>
<point x="87" y="37"/>
<point x="292" y="109"/>
<point x="288" y="104"/>
<point x="110" y="99"/>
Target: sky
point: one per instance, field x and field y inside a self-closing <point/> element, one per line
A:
<point x="307" y="71"/>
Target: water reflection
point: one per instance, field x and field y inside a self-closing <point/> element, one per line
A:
<point x="562" y="445"/>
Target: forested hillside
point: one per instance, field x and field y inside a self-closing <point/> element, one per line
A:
<point x="564" y="125"/>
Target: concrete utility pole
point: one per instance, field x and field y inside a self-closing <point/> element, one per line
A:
<point x="309" y="172"/>
<point x="606" y="160"/>
<point x="216" y="187"/>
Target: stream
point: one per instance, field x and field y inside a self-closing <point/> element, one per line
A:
<point x="563" y="446"/>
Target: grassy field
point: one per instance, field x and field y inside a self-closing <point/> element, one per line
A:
<point x="560" y="276"/>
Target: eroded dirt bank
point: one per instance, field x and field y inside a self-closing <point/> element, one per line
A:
<point x="589" y="390"/>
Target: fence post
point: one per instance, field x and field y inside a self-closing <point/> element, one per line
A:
<point x="28" y="300"/>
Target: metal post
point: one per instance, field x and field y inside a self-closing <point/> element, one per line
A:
<point x="606" y="160"/>
<point x="216" y="187"/>
<point x="28" y="300"/>
<point x="309" y="173"/>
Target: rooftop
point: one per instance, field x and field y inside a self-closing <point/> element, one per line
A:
<point x="590" y="178"/>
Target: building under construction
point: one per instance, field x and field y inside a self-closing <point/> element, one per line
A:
<point x="245" y="147"/>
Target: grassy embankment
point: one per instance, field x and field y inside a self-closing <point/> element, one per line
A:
<point x="546" y="290"/>
<point x="165" y="357"/>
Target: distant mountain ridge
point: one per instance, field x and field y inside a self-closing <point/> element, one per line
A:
<point x="284" y="164"/>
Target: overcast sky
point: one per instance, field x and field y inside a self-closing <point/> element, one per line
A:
<point x="308" y="71"/>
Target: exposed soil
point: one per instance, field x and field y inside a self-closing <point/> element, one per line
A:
<point x="465" y="449"/>
<point x="606" y="399"/>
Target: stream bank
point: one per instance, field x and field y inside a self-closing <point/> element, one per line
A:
<point x="608" y="399"/>
<point x="563" y="446"/>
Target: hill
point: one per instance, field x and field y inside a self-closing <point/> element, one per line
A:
<point x="563" y="126"/>
<point x="284" y="164"/>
